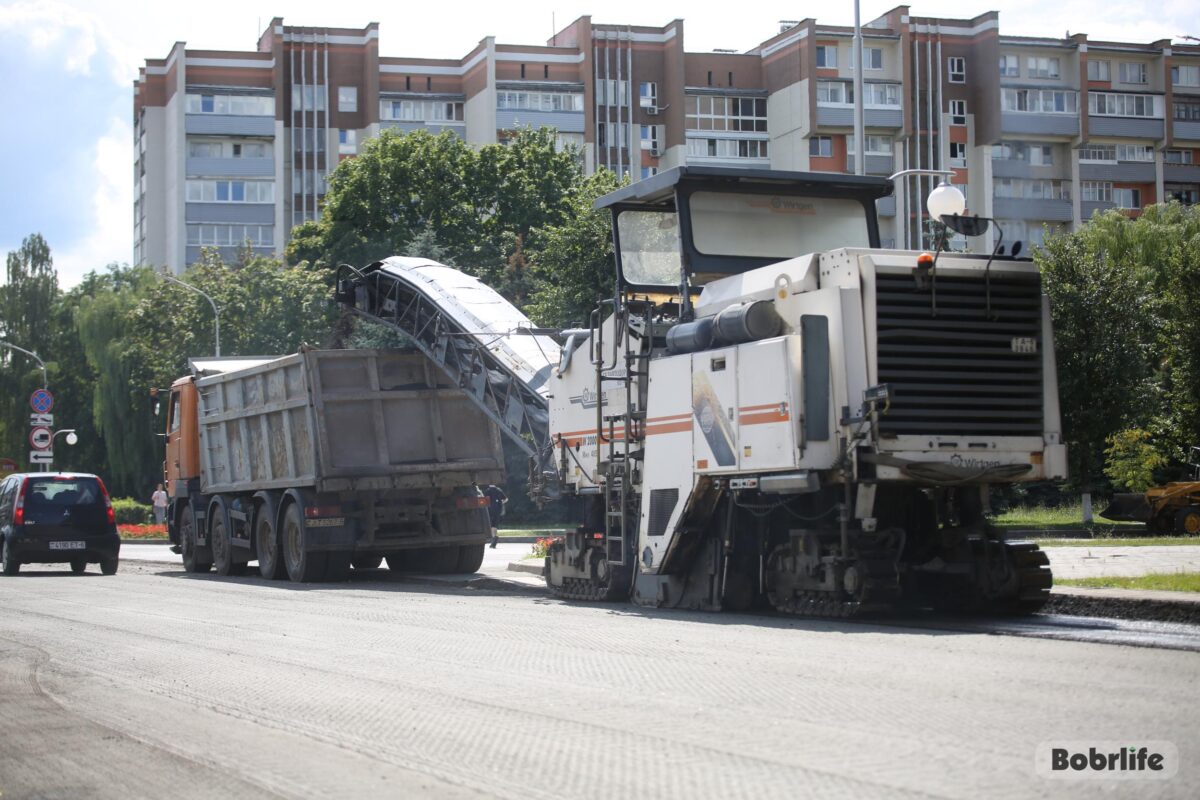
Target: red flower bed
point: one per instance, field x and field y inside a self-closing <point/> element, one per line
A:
<point x="142" y="531"/>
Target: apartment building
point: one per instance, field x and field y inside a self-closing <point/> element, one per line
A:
<point x="234" y="148"/>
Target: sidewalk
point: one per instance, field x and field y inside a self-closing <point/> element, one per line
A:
<point x="1121" y="562"/>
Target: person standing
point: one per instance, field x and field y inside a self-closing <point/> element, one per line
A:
<point x="159" y="501"/>
<point x="496" y="500"/>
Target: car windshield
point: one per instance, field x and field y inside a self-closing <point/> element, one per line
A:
<point x="53" y="499"/>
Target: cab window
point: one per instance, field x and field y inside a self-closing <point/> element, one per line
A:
<point x="173" y="412"/>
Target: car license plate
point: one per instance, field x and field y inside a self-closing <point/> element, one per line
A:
<point x="68" y="545"/>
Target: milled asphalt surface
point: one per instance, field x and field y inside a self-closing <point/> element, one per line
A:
<point x="157" y="683"/>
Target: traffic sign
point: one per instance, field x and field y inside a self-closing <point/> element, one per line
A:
<point x="41" y="401"/>
<point x="41" y="419"/>
<point x="41" y="456"/>
<point x="41" y="438"/>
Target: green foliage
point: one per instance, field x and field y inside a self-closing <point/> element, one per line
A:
<point x="130" y="512"/>
<point x="1132" y="460"/>
<point x="1125" y="297"/>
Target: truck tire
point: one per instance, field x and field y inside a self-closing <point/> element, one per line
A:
<point x="1187" y="521"/>
<point x="470" y="558"/>
<point x="366" y="561"/>
<point x="303" y="565"/>
<point x="220" y="539"/>
<point x="195" y="558"/>
<point x="267" y="546"/>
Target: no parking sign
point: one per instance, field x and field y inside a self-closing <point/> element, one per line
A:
<point x="41" y="401"/>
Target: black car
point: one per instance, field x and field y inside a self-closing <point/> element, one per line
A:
<point x="57" y="517"/>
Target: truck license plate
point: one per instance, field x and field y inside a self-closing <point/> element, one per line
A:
<point x="68" y="545"/>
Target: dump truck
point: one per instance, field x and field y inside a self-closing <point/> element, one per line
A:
<point x="1174" y="506"/>
<point x="772" y="408"/>
<point x="312" y="463"/>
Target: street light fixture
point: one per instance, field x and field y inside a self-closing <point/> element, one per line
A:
<point x="216" y="311"/>
<point x="34" y="355"/>
<point x="72" y="438"/>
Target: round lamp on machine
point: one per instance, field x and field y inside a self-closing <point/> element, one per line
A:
<point x="945" y="201"/>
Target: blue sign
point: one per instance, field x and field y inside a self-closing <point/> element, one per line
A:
<point x="41" y="401"/>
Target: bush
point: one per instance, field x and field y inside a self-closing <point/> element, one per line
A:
<point x="130" y="512"/>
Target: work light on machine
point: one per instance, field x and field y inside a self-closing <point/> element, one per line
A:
<point x="945" y="201"/>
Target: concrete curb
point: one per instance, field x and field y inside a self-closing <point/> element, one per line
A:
<point x="1124" y="604"/>
<point x="531" y="566"/>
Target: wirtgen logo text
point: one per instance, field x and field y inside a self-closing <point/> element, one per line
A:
<point x="1130" y="760"/>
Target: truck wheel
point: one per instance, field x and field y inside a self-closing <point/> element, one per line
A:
<point x="303" y="565"/>
<point x="438" y="560"/>
<point x="1187" y="521"/>
<point x="266" y="545"/>
<point x="367" y="562"/>
<point x="221" y="542"/>
<point x="470" y="558"/>
<point x="195" y="558"/>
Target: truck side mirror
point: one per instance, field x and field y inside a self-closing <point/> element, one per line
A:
<point x="154" y="402"/>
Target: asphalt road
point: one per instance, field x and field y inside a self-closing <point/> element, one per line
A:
<point x="155" y="683"/>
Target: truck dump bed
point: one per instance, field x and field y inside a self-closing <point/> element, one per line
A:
<point x="338" y="420"/>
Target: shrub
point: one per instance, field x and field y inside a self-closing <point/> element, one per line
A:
<point x="130" y="512"/>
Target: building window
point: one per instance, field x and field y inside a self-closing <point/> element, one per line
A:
<point x="958" y="112"/>
<point x="1099" y="70"/>
<point x="232" y="104"/>
<point x="875" y="145"/>
<point x="1037" y="155"/>
<point x="611" y="93"/>
<point x="1127" y="198"/>
<point x="1010" y="67"/>
<point x="539" y="101"/>
<point x="1041" y="67"/>
<point x="650" y="138"/>
<point x="875" y="95"/>
<point x="1096" y="191"/>
<point x="1098" y="152"/>
<point x="204" y="149"/>
<point x="1133" y="72"/>
<point x="820" y="146"/>
<point x="522" y="72"/>
<point x="1031" y="189"/>
<point x="726" y="148"/>
<point x="1187" y="110"/>
<point x="308" y="98"/>
<point x="827" y="56"/>
<point x="958" y="154"/>
<point x="872" y="58"/>
<point x="427" y="110"/>
<point x="649" y="172"/>
<point x="221" y="235"/>
<point x="1188" y="194"/>
<point x="347" y="142"/>
<point x="251" y="149"/>
<point x="717" y="113"/>
<point x="308" y="140"/>
<point x="222" y="191"/>
<point x="347" y="98"/>
<point x="1121" y="105"/>
<point x="648" y="94"/>
<point x="957" y="67"/>
<point x="1040" y="101"/>
<point x="620" y="139"/>
<point x="1177" y="156"/>
<point x="1135" y="152"/>
<point x="1185" y="76"/>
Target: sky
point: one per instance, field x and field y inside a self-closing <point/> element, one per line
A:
<point x="67" y="69"/>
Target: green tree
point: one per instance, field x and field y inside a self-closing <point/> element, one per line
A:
<point x="1132" y="460"/>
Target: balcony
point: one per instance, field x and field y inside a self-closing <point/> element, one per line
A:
<point x="1089" y="207"/>
<point x="1124" y="171"/>
<point x="1181" y="173"/>
<point x="1186" y="130"/>
<point x="842" y="116"/>
<point x="1043" y="124"/>
<point x="1135" y="127"/>
<point x="1027" y="208"/>
<point x="566" y="121"/>
<point x="876" y="165"/>
<point x="1016" y="168"/>
<point x="261" y="213"/>
<point x="229" y="124"/>
<point x="434" y="127"/>
<point x="228" y="254"/>
<point x="231" y="167"/>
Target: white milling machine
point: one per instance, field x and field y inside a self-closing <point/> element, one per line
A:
<point x="773" y="409"/>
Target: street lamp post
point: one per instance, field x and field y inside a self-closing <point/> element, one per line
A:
<point x="216" y="311"/>
<point x="71" y="439"/>
<point x="33" y="355"/>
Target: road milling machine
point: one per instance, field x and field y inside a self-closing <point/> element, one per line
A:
<point x="772" y="408"/>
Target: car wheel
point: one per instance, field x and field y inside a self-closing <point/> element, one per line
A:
<point x="108" y="566"/>
<point x="11" y="565"/>
<point x="78" y="566"/>
<point x="303" y="565"/>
